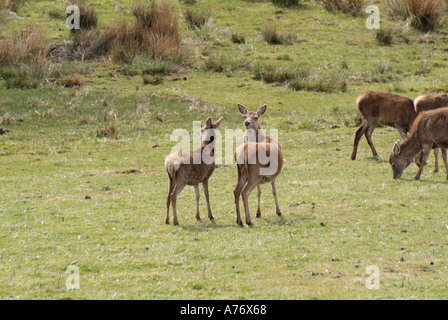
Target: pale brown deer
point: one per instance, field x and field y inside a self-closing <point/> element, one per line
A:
<point x="192" y="168"/>
<point x="430" y="130"/>
<point x="430" y="102"/>
<point x="385" y="108"/>
<point x="252" y="170"/>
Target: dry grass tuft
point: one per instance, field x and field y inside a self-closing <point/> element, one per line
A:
<point x="425" y="14"/>
<point x="24" y="47"/>
<point x="347" y="6"/>
<point x="154" y="33"/>
<point x="72" y="81"/>
<point x="108" y="131"/>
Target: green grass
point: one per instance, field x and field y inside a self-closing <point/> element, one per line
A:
<point x="339" y="216"/>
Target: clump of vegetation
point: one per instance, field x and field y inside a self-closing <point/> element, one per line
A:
<point x="275" y="74"/>
<point x="23" y="59"/>
<point x="196" y="19"/>
<point x="72" y="81"/>
<point x="220" y="63"/>
<point x="237" y="38"/>
<point x="10" y="4"/>
<point x="423" y="15"/>
<point x="320" y="82"/>
<point x="272" y="36"/>
<point x="347" y="6"/>
<point x="152" y="79"/>
<point x="108" y="131"/>
<point x="384" y="36"/>
<point x="88" y="17"/>
<point x="24" y="47"/>
<point x="155" y="33"/>
<point x="286" y="3"/>
<point x="396" y="9"/>
<point x="301" y="78"/>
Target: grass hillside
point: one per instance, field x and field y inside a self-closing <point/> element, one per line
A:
<point x="89" y="116"/>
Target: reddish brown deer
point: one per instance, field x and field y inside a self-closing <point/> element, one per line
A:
<point x="183" y="169"/>
<point x="430" y="102"/>
<point x="430" y="130"/>
<point x="252" y="171"/>
<point x="385" y="108"/>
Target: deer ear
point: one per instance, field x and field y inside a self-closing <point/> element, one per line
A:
<point x="262" y="110"/>
<point x="242" y="109"/>
<point x="208" y="122"/>
<point x="397" y="147"/>
<point x="217" y="123"/>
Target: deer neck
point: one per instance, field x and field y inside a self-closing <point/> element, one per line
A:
<point x="259" y="136"/>
<point x="209" y="146"/>
<point x="410" y="148"/>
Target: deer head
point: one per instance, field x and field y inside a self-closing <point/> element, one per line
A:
<point x="398" y="161"/>
<point x="208" y="132"/>
<point x="251" y="118"/>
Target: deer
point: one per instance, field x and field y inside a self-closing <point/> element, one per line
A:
<point x="429" y="131"/>
<point x="184" y="168"/>
<point x="385" y="108"/>
<point x="252" y="171"/>
<point x="430" y="102"/>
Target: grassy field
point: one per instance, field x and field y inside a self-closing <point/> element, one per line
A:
<point x="73" y="197"/>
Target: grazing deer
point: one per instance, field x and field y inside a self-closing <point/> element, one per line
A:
<point x="385" y="108"/>
<point x="430" y="130"/>
<point x="183" y="169"/>
<point x="431" y="102"/>
<point x="252" y="171"/>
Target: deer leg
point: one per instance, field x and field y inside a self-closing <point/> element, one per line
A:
<point x="196" y="190"/>
<point x="444" y="157"/>
<point x="251" y="184"/>
<point x="436" y="158"/>
<point x="361" y="131"/>
<point x="369" y="137"/>
<point x="209" y="210"/>
<point x="274" y="192"/>
<point x="168" y="199"/>
<point x="425" y="153"/>
<point x="259" y="197"/>
<point x="179" y="187"/>
<point x="242" y="179"/>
